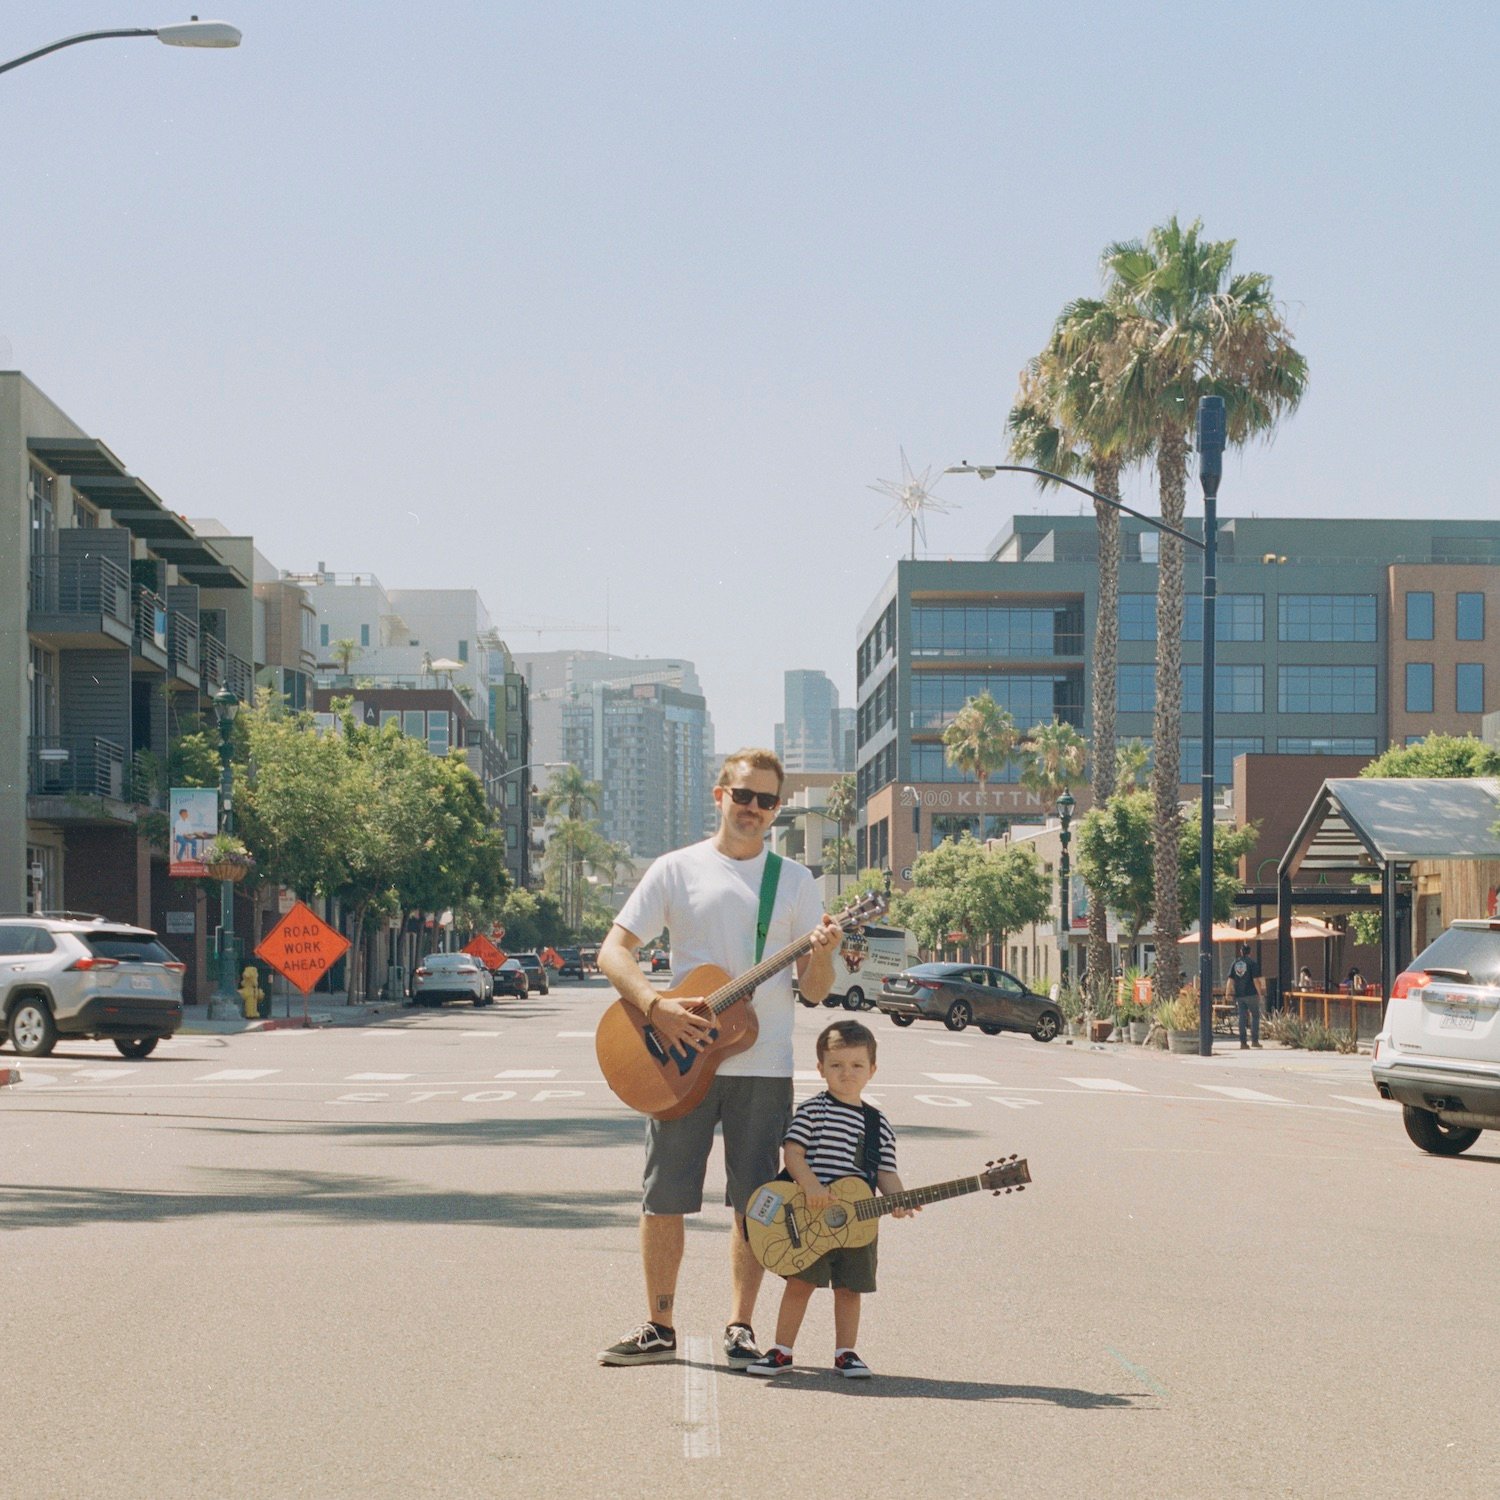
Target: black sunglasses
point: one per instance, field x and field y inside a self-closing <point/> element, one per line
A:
<point x="743" y="797"/>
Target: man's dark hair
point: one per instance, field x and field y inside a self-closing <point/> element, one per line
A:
<point x="1244" y="950"/>
<point x="846" y="1034"/>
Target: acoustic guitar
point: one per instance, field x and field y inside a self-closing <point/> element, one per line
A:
<point x="787" y="1236"/>
<point x="668" y="1082"/>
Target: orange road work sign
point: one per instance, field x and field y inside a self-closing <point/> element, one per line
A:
<point x="302" y="947"/>
<point x="485" y="951"/>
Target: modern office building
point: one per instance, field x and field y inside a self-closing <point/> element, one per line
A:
<point x="1334" y="637"/>
<point x="808" y="737"/>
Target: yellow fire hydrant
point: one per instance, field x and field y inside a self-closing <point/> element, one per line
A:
<point x="251" y="992"/>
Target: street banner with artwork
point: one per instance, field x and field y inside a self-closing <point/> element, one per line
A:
<point x="194" y="816"/>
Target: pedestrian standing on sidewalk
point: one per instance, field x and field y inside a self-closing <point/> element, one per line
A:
<point x="1247" y="989"/>
<point x="709" y="896"/>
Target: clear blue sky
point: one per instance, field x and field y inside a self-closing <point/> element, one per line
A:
<point x="552" y="298"/>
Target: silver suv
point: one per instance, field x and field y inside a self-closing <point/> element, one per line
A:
<point x="78" y="974"/>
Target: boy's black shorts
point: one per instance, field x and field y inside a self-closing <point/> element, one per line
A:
<point x="853" y="1270"/>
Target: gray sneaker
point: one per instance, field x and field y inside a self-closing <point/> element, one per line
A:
<point x="739" y="1345"/>
<point x="650" y="1344"/>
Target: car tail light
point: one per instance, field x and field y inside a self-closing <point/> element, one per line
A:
<point x="93" y="961"/>
<point x="1407" y="981"/>
<point x="424" y="973"/>
<point x="175" y="967"/>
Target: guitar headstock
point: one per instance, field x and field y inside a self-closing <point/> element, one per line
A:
<point x="1008" y="1175"/>
<point x="869" y="906"/>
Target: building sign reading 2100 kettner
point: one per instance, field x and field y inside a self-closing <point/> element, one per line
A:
<point x="1013" y="799"/>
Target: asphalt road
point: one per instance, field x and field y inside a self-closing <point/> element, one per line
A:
<point x="379" y="1261"/>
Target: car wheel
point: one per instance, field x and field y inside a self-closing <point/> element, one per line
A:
<point x="855" y="999"/>
<point x="831" y="1001"/>
<point x="136" y="1046"/>
<point x="989" y="1028"/>
<point x="959" y="1015"/>
<point x="1048" y="1027"/>
<point x="898" y="1020"/>
<point x="33" y="1032"/>
<point x="1431" y="1134"/>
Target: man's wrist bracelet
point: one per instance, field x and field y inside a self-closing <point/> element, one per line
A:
<point x="651" y="1005"/>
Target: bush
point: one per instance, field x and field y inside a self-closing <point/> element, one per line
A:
<point x="1180" y="1013"/>
<point x="1287" y="1028"/>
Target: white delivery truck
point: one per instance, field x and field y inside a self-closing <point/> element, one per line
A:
<point x="869" y="955"/>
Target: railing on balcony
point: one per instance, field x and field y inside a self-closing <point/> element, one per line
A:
<point x="144" y="783"/>
<point x="79" y="586"/>
<point x="182" y="640"/>
<point x="212" y="656"/>
<point x="151" y="618"/>
<point x="240" y="680"/>
<point x="75" y="766"/>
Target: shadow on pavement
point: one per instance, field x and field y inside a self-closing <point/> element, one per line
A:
<point x="314" y="1198"/>
<point x="908" y="1387"/>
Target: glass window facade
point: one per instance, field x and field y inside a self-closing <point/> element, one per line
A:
<point x="1326" y="690"/>
<point x="929" y="763"/>
<point x="1225" y="751"/>
<point x="1470" y="617"/>
<point x="1328" y="745"/>
<point x="414" y="723"/>
<point x="1239" y="688"/>
<point x="1137" y="617"/>
<point x="991" y="631"/>
<point x="1237" y="617"/>
<point x="1325" y="617"/>
<point x="1029" y="698"/>
<point x="1136" y="685"/>
<point x="1419" y="616"/>
<point x="1419" y="687"/>
<point x="437" y="732"/>
<point x="1468" y="686"/>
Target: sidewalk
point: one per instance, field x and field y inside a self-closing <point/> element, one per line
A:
<point x="329" y="1009"/>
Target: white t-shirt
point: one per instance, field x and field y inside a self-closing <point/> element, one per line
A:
<point x="710" y="904"/>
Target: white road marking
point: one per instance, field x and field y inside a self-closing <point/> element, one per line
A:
<point x="378" y="1077"/>
<point x="1013" y="1103"/>
<point x="104" y="1073"/>
<point x="1386" y="1104"/>
<point x="32" y="1076"/>
<point x="235" y="1075"/>
<point x="1254" y="1095"/>
<point x="1105" y="1085"/>
<point x="575" y="1033"/>
<point x="943" y="1101"/>
<point x="529" y="1073"/>
<point x="942" y="1041"/>
<point x="481" y="1033"/>
<point x="962" y="1078"/>
<point x="807" y="1075"/>
<point x="700" y="1399"/>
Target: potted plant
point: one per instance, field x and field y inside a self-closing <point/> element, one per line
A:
<point x="1070" y="1003"/>
<point x="225" y="857"/>
<point x="1135" y="1017"/>
<point x="1179" y="1017"/>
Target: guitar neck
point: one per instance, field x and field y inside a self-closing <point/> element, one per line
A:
<point x="741" y="988"/>
<point x="872" y="1208"/>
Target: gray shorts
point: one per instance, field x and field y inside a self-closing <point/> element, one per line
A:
<point x="754" y="1112"/>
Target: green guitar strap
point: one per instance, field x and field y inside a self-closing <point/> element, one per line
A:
<point x="769" y="876"/>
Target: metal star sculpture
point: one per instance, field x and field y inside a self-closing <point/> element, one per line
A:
<point x="914" y="499"/>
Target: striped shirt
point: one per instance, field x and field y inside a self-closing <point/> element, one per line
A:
<point x="833" y="1136"/>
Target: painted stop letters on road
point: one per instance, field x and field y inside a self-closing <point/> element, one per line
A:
<point x="302" y="947"/>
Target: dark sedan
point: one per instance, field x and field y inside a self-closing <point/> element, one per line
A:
<point x="957" y="994"/>
<point x="510" y="979"/>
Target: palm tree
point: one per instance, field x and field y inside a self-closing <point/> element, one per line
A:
<point x="1054" y="757"/>
<point x="1188" y="328"/>
<point x="344" y="652"/>
<point x="1067" y="420"/>
<point x="574" y="841"/>
<point x="841" y="807"/>
<point x="571" y="794"/>
<point x="982" y="739"/>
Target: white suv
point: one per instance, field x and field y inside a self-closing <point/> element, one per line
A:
<point x="81" y="975"/>
<point x="1438" y="1052"/>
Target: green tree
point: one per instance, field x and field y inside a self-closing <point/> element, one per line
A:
<point x="968" y="887"/>
<point x="344" y="653"/>
<point x="981" y="740"/>
<point x="1189" y="327"/>
<point x="1442" y="755"/>
<point x="1132" y="765"/>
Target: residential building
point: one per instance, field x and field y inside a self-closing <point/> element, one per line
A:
<point x="1334" y="638"/>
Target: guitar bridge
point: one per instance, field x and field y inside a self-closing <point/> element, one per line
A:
<point x="793" y="1234"/>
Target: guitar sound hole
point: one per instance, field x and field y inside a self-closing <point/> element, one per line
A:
<point x="835" y="1217"/>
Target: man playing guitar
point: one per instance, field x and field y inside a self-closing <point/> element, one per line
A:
<point x="709" y="896"/>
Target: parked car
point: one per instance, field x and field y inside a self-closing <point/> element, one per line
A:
<point x="452" y="976"/>
<point x="513" y="978"/>
<point x="661" y="961"/>
<point x="957" y="994"/>
<point x="85" y="976"/>
<point x="572" y="963"/>
<point x="536" y="972"/>
<point x="1438" y="1052"/>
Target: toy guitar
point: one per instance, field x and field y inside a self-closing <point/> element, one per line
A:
<point x="668" y="1082"/>
<point x="786" y="1236"/>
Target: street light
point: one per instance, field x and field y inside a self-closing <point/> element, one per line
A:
<point x="1210" y="467"/>
<point x="226" y="706"/>
<point x="1065" y="806"/>
<point x="194" y="33"/>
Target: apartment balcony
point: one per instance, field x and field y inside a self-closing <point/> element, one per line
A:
<point x="148" y="630"/>
<point x="183" y="649"/>
<point x="71" y="775"/>
<point x="79" y="602"/>
<point x="220" y="667"/>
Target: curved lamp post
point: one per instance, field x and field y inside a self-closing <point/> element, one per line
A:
<point x="194" y="33"/>
<point x="1210" y="446"/>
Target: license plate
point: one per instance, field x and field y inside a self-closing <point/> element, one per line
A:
<point x="143" y="982"/>
<point x="1456" y="1020"/>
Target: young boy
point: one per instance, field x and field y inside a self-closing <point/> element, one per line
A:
<point x="824" y="1142"/>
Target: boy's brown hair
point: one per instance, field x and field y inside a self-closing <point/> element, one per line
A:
<point x="846" y="1034"/>
<point x="753" y="758"/>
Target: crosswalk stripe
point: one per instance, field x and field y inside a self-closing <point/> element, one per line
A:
<point x="377" y="1077"/>
<point x="104" y="1073"/>
<point x="1105" y="1085"/>
<point x="962" y="1078"/>
<point x="236" y="1075"/>
<point x="481" y="1033"/>
<point x="529" y="1073"/>
<point x="1366" y="1103"/>
<point x="942" y="1041"/>
<point x="1230" y="1092"/>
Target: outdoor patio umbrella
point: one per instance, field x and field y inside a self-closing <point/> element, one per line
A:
<point x="1223" y="933"/>
<point x="1301" y="927"/>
